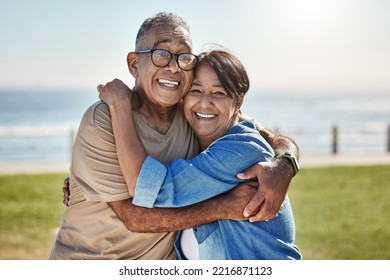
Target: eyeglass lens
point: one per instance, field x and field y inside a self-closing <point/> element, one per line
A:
<point x="162" y="58"/>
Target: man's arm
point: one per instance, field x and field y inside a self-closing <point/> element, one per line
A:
<point x="274" y="177"/>
<point x="280" y="143"/>
<point x="131" y="157"/>
<point x="141" y="219"/>
<point x="226" y="206"/>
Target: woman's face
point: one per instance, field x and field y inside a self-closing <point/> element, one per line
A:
<point x="208" y="108"/>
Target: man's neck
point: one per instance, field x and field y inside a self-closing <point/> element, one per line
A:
<point x="156" y="117"/>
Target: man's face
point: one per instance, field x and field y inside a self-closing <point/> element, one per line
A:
<point x="164" y="86"/>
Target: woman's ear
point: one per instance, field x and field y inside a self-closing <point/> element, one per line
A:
<point x="132" y="63"/>
<point x="239" y="103"/>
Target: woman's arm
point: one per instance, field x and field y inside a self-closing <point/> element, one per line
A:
<point x="183" y="182"/>
<point x="211" y="173"/>
<point x="130" y="156"/>
<point x="130" y="149"/>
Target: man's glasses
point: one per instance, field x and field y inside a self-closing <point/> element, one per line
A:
<point x="162" y="58"/>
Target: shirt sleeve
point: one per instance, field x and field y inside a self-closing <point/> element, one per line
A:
<point x="212" y="172"/>
<point x="95" y="165"/>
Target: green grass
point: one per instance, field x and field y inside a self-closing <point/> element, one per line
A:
<point x="340" y="213"/>
<point x="30" y="211"/>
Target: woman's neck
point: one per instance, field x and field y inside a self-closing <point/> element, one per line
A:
<point x="204" y="142"/>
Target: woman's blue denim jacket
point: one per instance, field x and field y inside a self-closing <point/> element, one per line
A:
<point x="211" y="173"/>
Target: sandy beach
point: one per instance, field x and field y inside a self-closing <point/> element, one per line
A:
<point x="306" y="161"/>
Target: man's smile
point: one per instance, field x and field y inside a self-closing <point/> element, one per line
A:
<point x="168" y="83"/>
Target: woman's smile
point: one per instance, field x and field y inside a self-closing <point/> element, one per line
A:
<point x="205" y="116"/>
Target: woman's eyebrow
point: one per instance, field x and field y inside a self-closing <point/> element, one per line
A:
<point x="200" y="84"/>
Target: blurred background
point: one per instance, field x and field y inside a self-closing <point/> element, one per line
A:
<point x="320" y="70"/>
<point x="320" y="73"/>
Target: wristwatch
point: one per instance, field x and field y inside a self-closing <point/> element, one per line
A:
<point x="292" y="159"/>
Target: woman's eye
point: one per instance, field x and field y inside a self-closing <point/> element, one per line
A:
<point x="219" y="94"/>
<point x="195" y="91"/>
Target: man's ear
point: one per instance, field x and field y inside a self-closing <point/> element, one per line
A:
<point x="132" y="63"/>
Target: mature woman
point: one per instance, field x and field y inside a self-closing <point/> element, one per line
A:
<point x="212" y="107"/>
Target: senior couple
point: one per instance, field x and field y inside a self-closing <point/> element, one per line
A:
<point x="171" y="169"/>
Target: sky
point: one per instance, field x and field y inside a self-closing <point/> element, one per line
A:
<point x="286" y="45"/>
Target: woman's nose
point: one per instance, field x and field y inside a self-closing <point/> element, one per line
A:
<point x="206" y="99"/>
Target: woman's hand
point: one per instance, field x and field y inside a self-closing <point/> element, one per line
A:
<point x="115" y="93"/>
<point x="66" y="191"/>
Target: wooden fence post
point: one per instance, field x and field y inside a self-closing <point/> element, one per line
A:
<point x="388" y="138"/>
<point x="335" y="139"/>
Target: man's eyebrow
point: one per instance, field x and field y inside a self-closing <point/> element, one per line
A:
<point x="161" y="41"/>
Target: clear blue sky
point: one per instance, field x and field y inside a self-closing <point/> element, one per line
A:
<point x="286" y="45"/>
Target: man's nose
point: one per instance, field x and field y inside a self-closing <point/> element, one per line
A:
<point x="173" y="65"/>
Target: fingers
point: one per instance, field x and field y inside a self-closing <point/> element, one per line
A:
<point x="254" y="205"/>
<point x="253" y="171"/>
<point x="65" y="201"/>
<point x="262" y="208"/>
<point x="267" y="212"/>
<point x="114" y="93"/>
<point x="99" y="88"/>
<point x="66" y="191"/>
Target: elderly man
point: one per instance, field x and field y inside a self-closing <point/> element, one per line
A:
<point x="101" y="222"/>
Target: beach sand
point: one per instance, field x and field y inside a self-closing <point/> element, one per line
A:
<point x="306" y="161"/>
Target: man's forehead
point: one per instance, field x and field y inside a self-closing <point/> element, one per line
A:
<point x="167" y="34"/>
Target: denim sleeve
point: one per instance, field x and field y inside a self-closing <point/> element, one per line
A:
<point x="186" y="182"/>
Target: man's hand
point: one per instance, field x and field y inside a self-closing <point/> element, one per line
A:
<point x="66" y="191"/>
<point x="274" y="178"/>
<point x="234" y="202"/>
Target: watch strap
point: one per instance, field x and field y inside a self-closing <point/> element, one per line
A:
<point x="292" y="159"/>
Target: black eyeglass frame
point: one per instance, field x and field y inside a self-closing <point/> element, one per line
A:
<point x="151" y="51"/>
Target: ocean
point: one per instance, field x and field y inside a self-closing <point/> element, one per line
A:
<point x="38" y="124"/>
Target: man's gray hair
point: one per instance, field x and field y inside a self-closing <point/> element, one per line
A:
<point x="161" y="18"/>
